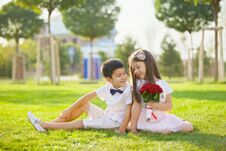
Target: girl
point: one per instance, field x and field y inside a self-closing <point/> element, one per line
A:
<point x="144" y="69"/>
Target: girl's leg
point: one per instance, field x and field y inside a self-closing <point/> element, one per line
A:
<point x="166" y="132"/>
<point x="72" y="113"/>
<point x="187" y="127"/>
<point x="64" y="126"/>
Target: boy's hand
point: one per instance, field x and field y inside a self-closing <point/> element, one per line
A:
<point x="120" y="131"/>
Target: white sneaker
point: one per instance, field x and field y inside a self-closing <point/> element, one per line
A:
<point x="35" y="122"/>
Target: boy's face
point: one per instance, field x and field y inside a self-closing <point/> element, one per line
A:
<point x="139" y="69"/>
<point x="118" y="78"/>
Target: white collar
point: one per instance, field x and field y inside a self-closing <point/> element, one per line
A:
<point x="120" y="88"/>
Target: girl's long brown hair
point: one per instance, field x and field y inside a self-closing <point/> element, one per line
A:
<point x="151" y="69"/>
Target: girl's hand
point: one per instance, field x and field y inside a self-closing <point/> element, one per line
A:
<point x="152" y="104"/>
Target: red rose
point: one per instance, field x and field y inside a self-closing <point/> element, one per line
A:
<point x="150" y="91"/>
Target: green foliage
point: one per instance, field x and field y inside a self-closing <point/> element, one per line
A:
<point x="65" y="65"/>
<point x="123" y="51"/>
<point x="93" y="18"/>
<point x="170" y="61"/>
<point x="201" y="104"/>
<point x="147" y="97"/>
<point x="50" y="5"/>
<point x="29" y="49"/>
<point x="17" y="22"/>
<point x="196" y="2"/>
<point x="182" y="15"/>
<point x="225" y="67"/>
<point x="214" y="3"/>
<point x="103" y="55"/>
<point x="6" y="54"/>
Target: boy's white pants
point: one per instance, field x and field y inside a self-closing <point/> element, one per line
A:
<point x="98" y="119"/>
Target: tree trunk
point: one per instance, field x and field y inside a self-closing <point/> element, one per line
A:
<point x="57" y="64"/>
<point x="215" y="4"/>
<point x="49" y="15"/>
<point x="221" y="56"/>
<point x="91" y="77"/>
<point x="53" y="60"/>
<point x="18" y="61"/>
<point x="51" y="76"/>
<point x="190" y="62"/>
<point x="17" y="46"/>
<point x="201" y="59"/>
<point x="38" y="61"/>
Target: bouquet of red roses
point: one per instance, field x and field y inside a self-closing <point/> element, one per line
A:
<point x="150" y="92"/>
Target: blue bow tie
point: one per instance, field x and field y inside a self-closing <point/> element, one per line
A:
<point x="113" y="91"/>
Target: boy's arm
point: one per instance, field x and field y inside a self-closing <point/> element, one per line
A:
<point x="126" y="119"/>
<point x="84" y="99"/>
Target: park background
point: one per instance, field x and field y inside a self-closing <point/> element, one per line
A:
<point x="48" y="63"/>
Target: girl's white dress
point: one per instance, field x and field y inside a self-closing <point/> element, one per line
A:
<point x="165" y="121"/>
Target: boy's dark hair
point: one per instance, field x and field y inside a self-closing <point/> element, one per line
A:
<point x="110" y="65"/>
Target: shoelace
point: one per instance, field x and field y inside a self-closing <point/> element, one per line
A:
<point x="37" y="120"/>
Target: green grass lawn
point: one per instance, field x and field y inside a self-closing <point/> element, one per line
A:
<point x="203" y="105"/>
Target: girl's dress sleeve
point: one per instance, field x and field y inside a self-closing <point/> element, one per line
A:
<point x="167" y="88"/>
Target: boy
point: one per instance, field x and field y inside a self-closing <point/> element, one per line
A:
<point x="117" y="95"/>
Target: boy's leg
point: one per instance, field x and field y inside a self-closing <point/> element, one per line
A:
<point x="72" y="113"/>
<point x="101" y="123"/>
<point x="94" y="112"/>
<point x="64" y="126"/>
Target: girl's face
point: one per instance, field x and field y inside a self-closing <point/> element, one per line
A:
<point x="139" y="69"/>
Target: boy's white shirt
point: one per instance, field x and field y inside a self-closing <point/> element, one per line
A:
<point x="162" y="83"/>
<point x="116" y="104"/>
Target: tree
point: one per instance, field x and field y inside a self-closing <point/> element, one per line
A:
<point x="17" y="23"/>
<point x="170" y="61"/>
<point x="91" y="19"/>
<point x="29" y="49"/>
<point x="50" y="6"/>
<point x="70" y="62"/>
<point x="123" y="51"/>
<point x="215" y="4"/>
<point x="183" y="16"/>
<point x="206" y="63"/>
<point x="103" y="55"/>
<point x="6" y="54"/>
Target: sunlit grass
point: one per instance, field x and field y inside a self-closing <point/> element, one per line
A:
<point x="201" y="104"/>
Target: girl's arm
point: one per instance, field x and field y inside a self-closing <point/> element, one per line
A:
<point x="135" y="113"/>
<point x="162" y="106"/>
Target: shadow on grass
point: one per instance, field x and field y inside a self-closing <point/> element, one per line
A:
<point x="201" y="140"/>
<point x="201" y="95"/>
<point x="59" y="96"/>
<point x="44" y="97"/>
